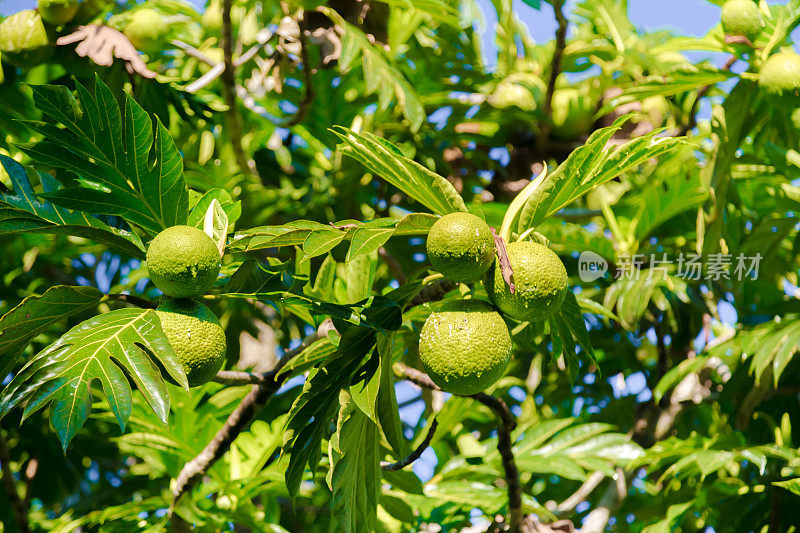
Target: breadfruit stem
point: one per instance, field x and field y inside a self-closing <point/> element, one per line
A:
<point x="228" y="78"/>
<point x="413" y="456"/>
<point x="504" y="443"/>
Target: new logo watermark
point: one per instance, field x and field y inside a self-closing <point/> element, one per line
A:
<point x="713" y="267"/>
<point x="591" y="266"/>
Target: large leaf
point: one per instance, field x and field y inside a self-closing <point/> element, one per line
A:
<point x="312" y="411"/>
<point x="112" y="154"/>
<point x="676" y="192"/>
<point x="24" y="213"/>
<point x="355" y="473"/>
<point x="316" y="239"/>
<point x="771" y="345"/>
<point x="587" y="167"/>
<point x="568" y="327"/>
<point x="560" y="447"/>
<point x="380" y="73"/>
<point x="36" y="313"/>
<point x="385" y="160"/>
<point x="675" y="83"/>
<point x="109" y="348"/>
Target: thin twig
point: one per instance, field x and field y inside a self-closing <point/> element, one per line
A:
<point x="700" y="94"/>
<point x="555" y="70"/>
<point x="617" y="490"/>
<point x="504" y="444"/>
<point x="413" y="456"/>
<point x="582" y="493"/>
<point x="394" y="265"/>
<point x="308" y="80"/>
<point x="228" y="78"/>
<point x="17" y="504"/>
<point x="237" y="422"/>
<point x="138" y="301"/>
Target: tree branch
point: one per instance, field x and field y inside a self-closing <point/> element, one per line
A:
<point x="413" y="456"/>
<point x="555" y="70"/>
<point x="433" y="292"/>
<point x="18" y="506"/>
<point x="504" y="444"/>
<point x="305" y="103"/>
<point x="233" y="378"/>
<point x="583" y="492"/>
<point x="617" y="490"/>
<point x="237" y="422"/>
<point x="228" y="78"/>
<point x="138" y="301"/>
<point x="393" y="264"/>
<point x="700" y="94"/>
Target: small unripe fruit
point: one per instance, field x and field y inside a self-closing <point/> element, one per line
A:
<point x="24" y="40"/>
<point x="780" y="77"/>
<point x="58" y="12"/>
<point x="741" y="17"/>
<point x="146" y="29"/>
<point x="461" y="247"/>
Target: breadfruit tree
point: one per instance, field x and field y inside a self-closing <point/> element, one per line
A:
<point x="398" y="266"/>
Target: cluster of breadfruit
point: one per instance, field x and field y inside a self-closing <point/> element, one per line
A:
<point x="183" y="262"/>
<point x="465" y="345"/>
<point x="780" y="73"/>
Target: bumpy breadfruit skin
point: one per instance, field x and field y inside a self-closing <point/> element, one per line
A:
<point x="461" y="247"/>
<point x="24" y="40"/>
<point x="741" y="17"/>
<point x="465" y="346"/>
<point x="780" y="77"/>
<point x="183" y="261"/>
<point x="196" y="336"/>
<point x="540" y="281"/>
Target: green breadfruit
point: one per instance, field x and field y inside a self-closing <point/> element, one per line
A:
<point x="741" y="17"/>
<point x="146" y="29"/>
<point x="24" y="40"/>
<point x="780" y="77"/>
<point x="465" y="346"/>
<point x="58" y="12"/>
<point x="183" y="261"/>
<point x="461" y="247"/>
<point x="540" y="281"/>
<point x="194" y="333"/>
<point x="573" y="113"/>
